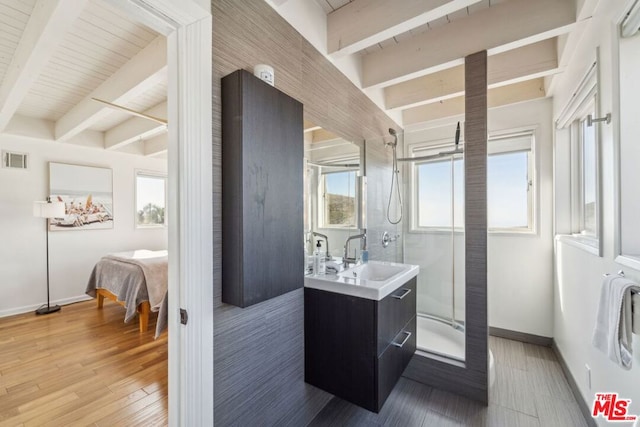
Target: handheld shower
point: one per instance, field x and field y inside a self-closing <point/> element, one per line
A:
<point x="393" y="133"/>
<point x="395" y="178"/>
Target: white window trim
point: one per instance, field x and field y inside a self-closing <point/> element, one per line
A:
<point x="584" y="98"/>
<point x="578" y="223"/>
<point x="320" y="212"/>
<point x="440" y="145"/>
<point x="149" y="174"/>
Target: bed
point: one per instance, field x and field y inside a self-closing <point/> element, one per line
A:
<point x="137" y="280"/>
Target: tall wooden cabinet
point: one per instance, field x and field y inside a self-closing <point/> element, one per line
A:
<point x="262" y="190"/>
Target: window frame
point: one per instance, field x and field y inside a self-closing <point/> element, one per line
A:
<point x="321" y="209"/>
<point x="427" y="147"/>
<point x="590" y="241"/>
<point x="149" y="174"/>
<point x="584" y="101"/>
<point x="579" y="125"/>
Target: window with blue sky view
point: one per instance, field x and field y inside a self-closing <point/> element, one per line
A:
<point x="507" y="192"/>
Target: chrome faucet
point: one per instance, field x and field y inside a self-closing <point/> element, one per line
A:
<point x="345" y="258"/>
<point x="326" y="239"/>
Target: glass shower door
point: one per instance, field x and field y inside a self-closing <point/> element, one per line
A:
<point x="435" y="242"/>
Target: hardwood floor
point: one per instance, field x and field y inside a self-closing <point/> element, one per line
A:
<point x="81" y="366"/>
<point x="530" y="390"/>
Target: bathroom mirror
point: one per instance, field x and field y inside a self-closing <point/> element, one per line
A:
<point x="334" y="201"/>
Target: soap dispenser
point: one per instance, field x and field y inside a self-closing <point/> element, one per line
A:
<point x="319" y="264"/>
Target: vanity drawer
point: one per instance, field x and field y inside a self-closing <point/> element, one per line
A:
<point x="393" y="312"/>
<point x="394" y="360"/>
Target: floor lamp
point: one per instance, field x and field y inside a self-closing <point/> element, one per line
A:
<point x="48" y="210"/>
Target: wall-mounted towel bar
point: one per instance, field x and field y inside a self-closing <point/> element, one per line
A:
<point x="635" y="305"/>
<point x="621" y="274"/>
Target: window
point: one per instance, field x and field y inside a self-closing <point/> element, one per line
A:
<point x="150" y="200"/>
<point x="509" y="186"/>
<point x="588" y="180"/>
<point x="338" y="199"/>
<point x="434" y="185"/>
<point x="508" y="191"/>
<point x="584" y="183"/>
<point x="578" y="212"/>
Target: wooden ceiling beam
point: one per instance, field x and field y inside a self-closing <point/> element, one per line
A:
<point x="45" y="29"/>
<point x="525" y="63"/>
<point x="135" y="128"/>
<point x="379" y="20"/>
<point x="42" y="130"/>
<point x="504" y="95"/>
<point x="157" y="145"/>
<point x="138" y="75"/>
<point x="500" y="28"/>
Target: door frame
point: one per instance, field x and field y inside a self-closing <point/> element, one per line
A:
<point x="187" y="26"/>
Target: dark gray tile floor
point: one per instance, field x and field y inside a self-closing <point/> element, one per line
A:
<point x="530" y="390"/>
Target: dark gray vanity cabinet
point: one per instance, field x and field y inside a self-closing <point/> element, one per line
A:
<point x="357" y="348"/>
<point x="262" y="190"/>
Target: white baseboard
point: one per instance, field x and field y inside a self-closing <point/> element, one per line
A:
<point x="28" y="308"/>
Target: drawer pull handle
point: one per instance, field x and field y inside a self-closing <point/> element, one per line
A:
<point x="404" y="341"/>
<point x="404" y="294"/>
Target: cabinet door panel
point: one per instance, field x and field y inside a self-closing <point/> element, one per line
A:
<point x="339" y="345"/>
<point x="394" y="360"/>
<point x="394" y="311"/>
<point x="262" y="150"/>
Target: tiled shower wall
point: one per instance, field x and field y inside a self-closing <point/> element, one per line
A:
<point x="378" y="170"/>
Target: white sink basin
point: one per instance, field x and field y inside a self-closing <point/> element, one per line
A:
<point x="372" y="271"/>
<point x="374" y="280"/>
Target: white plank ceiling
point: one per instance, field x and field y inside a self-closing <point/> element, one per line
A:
<point x="98" y="43"/>
<point x="14" y="15"/>
<point x="412" y="50"/>
<point x="331" y="5"/>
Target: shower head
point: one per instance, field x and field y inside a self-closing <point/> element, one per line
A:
<point x="393" y="133"/>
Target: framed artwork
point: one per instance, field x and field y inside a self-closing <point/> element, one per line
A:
<point x="87" y="193"/>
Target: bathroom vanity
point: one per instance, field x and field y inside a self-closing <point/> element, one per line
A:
<point x="360" y="330"/>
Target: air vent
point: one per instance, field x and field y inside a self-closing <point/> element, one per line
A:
<point x="14" y="160"/>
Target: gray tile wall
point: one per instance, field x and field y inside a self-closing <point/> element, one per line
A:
<point x="378" y="171"/>
<point x="259" y="351"/>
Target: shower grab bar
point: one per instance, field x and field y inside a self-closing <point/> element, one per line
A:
<point x="401" y="296"/>
<point x="404" y="341"/>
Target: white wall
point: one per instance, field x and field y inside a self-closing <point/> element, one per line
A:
<point x="72" y="253"/>
<point x="519" y="265"/>
<point x="579" y="273"/>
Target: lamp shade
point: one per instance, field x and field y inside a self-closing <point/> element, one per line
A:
<point x="48" y="209"/>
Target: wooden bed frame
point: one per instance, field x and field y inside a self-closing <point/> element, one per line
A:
<point x="144" y="308"/>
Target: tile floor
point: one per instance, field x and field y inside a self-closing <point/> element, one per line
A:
<point x="530" y="390"/>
